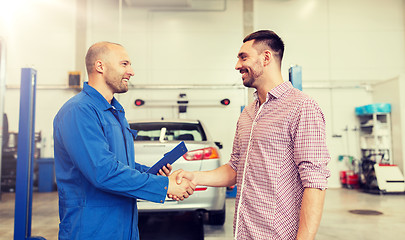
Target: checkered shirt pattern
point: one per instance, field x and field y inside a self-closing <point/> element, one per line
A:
<point x="279" y="149"/>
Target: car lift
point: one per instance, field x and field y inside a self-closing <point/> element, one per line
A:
<point x="2" y="97"/>
<point x="25" y="157"/>
<point x="295" y="76"/>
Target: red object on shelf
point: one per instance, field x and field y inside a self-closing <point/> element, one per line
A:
<point x="343" y="179"/>
<point x="352" y="179"/>
<point x="349" y="179"/>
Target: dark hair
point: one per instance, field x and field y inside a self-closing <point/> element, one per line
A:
<point x="268" y="39"/>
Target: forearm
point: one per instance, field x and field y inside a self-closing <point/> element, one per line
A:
<point x="141" y="168"/>
<point x="223" y="176"/>
<point x="311" y="213"/>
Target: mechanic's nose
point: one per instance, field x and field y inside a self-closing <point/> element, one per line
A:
<point x="131" y="71"/>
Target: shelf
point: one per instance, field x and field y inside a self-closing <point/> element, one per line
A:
<point x="375" y="135"/>
<point x="380" y="125"/>
<point x="379" y="149"/>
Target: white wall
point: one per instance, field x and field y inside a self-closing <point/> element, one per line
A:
<point x="340" y="44"/>
<point x="178" y="48"/>
<point x="38" y="34"/>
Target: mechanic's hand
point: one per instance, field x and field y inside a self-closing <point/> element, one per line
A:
<point x="165" y="171"/>
<point x="187" y="176"/>
<point x="179" y="191"/>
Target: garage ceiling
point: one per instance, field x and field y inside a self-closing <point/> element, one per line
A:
<point x="179" y="5"/>
<point x="159" y="3"/>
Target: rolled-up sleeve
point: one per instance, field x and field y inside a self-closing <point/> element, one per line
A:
<point x="235" y="154"/>
<point x="310" y="151"/>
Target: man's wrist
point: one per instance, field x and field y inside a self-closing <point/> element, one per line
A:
<point x="196" y="179"/>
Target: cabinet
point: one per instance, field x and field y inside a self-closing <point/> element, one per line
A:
<point x="375" y="137"/>
<point x="378" y="173"/>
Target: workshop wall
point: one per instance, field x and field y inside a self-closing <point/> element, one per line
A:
<point x="343" y="47"/>
<point x="38" y="34"/>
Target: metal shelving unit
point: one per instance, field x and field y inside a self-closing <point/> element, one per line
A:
<point x="375" y="137"/>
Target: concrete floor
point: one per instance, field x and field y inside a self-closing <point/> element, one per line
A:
<point x="337" y="221"/>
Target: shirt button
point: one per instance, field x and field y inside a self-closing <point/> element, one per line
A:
<point x="165" y="188"/>
<point x="161" y="201"/>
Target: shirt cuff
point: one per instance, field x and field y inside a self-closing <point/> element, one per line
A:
<point x="165" y="189"/>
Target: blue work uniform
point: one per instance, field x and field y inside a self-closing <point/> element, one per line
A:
<point x="97" y="177"/>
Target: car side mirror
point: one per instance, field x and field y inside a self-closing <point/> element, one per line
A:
<point x="219" y="145"/>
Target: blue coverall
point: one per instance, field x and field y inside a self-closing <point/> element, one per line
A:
<point x="97" y="177"/>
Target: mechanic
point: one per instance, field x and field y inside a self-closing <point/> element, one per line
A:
<point x="98" y="179"/>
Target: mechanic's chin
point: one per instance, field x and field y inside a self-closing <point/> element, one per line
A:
<point x="124" y="85"/>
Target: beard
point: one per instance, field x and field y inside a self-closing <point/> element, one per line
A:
<point x="252" y="74"/>
<point x="249" y="82"/>
<point x="117" y="85"/>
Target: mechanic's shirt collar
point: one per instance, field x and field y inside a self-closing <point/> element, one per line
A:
<point x="101" y="102"/>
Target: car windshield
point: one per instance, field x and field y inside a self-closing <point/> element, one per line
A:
<point x="168" y="131"/>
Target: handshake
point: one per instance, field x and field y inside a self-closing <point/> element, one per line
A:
<point x="181" y="183"/>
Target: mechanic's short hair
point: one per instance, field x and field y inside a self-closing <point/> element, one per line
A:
<point x="95" y="52"/>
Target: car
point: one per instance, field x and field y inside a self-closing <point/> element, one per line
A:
<point x="157" y="137"/>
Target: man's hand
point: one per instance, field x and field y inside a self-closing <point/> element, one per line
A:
<point x="191" y="176"/>
<point x="179" y="191"/>
<point x="223" y="176"/>
<point x="165" y="171"/>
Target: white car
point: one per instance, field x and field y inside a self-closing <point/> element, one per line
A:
<point x="155" y="138"/>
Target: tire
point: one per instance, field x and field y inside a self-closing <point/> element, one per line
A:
<point x="217" y="217"/>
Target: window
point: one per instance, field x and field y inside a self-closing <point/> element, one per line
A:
<point x="166" y="131"/>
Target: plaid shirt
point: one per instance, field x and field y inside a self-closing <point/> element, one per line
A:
<point x="279" y="149"/>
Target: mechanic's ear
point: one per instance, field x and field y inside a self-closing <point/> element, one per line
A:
<point x="99" y="66"/>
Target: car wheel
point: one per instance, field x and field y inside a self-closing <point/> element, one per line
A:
<point x="217" y="217"/>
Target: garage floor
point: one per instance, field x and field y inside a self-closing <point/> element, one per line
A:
<point x="337" y="221"/>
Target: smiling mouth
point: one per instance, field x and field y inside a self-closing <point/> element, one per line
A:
<point x="244" y="73"/>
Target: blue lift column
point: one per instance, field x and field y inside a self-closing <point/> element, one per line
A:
<point x="25" y="156"/>
<point x="295" y="75"/>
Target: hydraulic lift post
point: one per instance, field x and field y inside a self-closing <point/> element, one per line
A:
<point x="25" y="156"/>
<point x="2" y="97"/>
<point x="295" y="75"/>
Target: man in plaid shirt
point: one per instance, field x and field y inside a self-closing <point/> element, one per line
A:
<point x="279" y="157"/>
